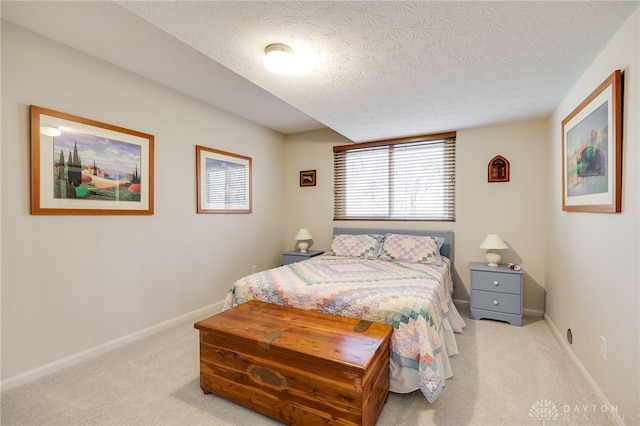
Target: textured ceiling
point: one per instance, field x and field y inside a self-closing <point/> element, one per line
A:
<point x="375" y="70"/>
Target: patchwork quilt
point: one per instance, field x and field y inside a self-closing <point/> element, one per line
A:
<point x="412" y="297"/>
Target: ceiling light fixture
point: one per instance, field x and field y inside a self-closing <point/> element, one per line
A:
<point x="278" y="58"/>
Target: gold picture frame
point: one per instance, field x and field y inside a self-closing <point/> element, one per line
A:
<point x="223" y="181"/>
<point x="592" y="151"/>
<point x="84" y="167"/>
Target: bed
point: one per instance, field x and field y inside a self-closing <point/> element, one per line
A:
<point x="398" y="277"/>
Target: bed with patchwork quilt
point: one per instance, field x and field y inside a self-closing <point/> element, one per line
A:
<point x="398" y="279"/>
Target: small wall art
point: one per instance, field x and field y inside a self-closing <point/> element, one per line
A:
<point x="84" y="167"/>
<point x="498" y="169"/>
<point x="308" y="178"/>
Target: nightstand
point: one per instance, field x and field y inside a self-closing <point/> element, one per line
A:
<point x="496" y="293"/>
<point x="296" y="256"/>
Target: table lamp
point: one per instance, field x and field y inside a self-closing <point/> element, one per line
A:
<point x="491" y="243"/>
<point x="302" y="237"/>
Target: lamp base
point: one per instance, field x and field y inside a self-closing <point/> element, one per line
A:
<point x="303" y="246"/>
<point x="493" y="258"/>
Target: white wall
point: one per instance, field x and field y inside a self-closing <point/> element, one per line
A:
<point x="310" y="207"/>
<point x="592" y="276"/>
<point x="71" y="283"/>
<point x="514" y="209"/>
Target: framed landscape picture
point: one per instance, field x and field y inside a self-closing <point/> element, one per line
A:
<point x="223" y="181"/>
<point x="84" y="167"/>
<point x="592" y="151"/>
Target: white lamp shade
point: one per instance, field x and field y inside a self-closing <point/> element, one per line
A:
<point x="303" y="234"/>
<point x="493" y="242"/>
<point x="302" y="237"/>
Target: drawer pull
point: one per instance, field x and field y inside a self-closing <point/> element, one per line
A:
<point x="495" y="302"/>
<point x="496" y="283"/>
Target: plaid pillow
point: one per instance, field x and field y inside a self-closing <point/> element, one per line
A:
<point x="349" y="245"/>
<point x="411" y="248"/>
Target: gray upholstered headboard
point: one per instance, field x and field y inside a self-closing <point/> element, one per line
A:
<point x="445" y="250"/>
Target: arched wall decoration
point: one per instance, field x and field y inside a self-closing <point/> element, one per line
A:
<point x="498" y="170"/>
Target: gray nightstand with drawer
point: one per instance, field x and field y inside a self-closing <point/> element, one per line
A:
<point x="296" y="256"/>
<point x="496" y="293"/>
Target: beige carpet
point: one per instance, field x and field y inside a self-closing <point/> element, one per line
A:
<point x="503" y="375"/>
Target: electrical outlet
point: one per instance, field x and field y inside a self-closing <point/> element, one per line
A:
<point x="603" y="347"/>
<point x="254" y="269"/>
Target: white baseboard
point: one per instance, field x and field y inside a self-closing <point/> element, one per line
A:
<point x="52" y="367"/>
<point x="581" y="368"/>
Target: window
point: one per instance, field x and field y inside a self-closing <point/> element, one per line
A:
<point x="401" y="179"/>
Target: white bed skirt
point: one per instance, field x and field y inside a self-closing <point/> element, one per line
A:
<point x="405" y="379"/>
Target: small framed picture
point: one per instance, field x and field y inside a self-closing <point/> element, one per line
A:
<point x="498" y="169"/>
<point x="308" y="178"/>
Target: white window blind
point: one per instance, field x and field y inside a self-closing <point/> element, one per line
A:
<point x="402" y="179"/>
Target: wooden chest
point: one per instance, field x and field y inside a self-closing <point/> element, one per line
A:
<point x="299" y="367"/>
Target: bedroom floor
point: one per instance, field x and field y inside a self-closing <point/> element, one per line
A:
<point x="503" y="375"/>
